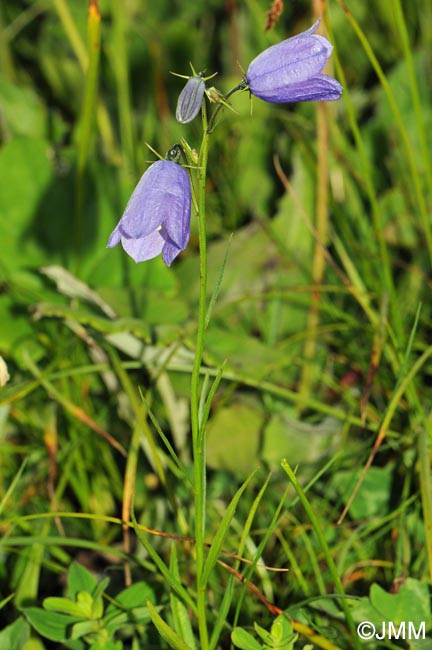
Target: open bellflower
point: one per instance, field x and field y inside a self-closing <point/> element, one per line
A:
<point x="291" y="71"/>
<point x="157" y="217"/>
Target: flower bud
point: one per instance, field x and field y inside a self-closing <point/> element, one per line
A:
<point x="190" y="99"/>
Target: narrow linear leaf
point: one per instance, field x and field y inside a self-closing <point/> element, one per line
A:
<point x="12" y="486"/>
<point x="218" y="284"/>
<point x="217" y="543"/>
<point x="168" y="575"/>
<point x="14" y="636"/>
<point x="165" y="631"/>
<point x="181" y="618"/>
<point x="229" y="590"/>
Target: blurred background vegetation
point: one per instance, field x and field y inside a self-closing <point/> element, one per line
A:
<point x="323" y="316"/>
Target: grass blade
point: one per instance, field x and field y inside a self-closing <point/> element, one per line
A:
<point x="221" y="532"/>
<point x="165" y="631"/>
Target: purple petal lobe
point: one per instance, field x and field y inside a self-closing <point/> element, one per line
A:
<point x="176" y="226"/>
<point x="145" y="248"/>
<point x="170" y="252"/>
<point x="320" y="88"/>
<point x="114" y="239"/>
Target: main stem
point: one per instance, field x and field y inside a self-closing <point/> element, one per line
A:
<point x="198" y="437"/>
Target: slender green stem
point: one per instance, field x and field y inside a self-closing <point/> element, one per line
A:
<point x="198" y="438"/>
<point x="241" y="86"/>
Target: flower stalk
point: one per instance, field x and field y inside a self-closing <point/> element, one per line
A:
<point x="198" y="437"/>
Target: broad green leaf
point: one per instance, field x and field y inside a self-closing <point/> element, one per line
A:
<point x="254" y="189"/>
<point x="373" y="496"/>
<point x="132" y="599"/>
<point x="36" y="644"/>
<point x="155" y="307"/>
<point x="17" y="329"/>
<point x="65" y="606"/>
<point x="15" y="635"/>
<point x="244" y="352"/>
<point x="22" y="110"/>
<point x="51" y="625"/>
<point x="135" y="595"/>
<point x="14" y="327"/>
<point x="79" y="579"/>
<point x="246" y="270"/>
<point x="96" y="597"/>
<point x="233" y="438"/>
<point x="116" y="620"/>
<point x="410" y="603"/>
<point x="263" y="633"/>
<point x="302" y="442"/>
<point x="106" y="644"/>
<point x="244" y="640"/>
<point x="25" y="172"/>
<point x="82" y="628"/>
<point x="87" y="604"/>
<point x="282" y="633"/>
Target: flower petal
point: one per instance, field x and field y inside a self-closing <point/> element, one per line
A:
<point x="144" y="248"/>
<point x="162" y="185"/>
<point x="176" y="225"/>
<point x="170" y="252"/>
<point x="141" y="215"/>
<point x="293" y="60"/>
<point x="115" y="238"/>
<point x="320" y="88"/>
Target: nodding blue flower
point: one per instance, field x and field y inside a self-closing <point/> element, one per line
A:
<point x="190" y="99"/>
<point x="157" y="217"/>
<point x="291" y="71"/>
